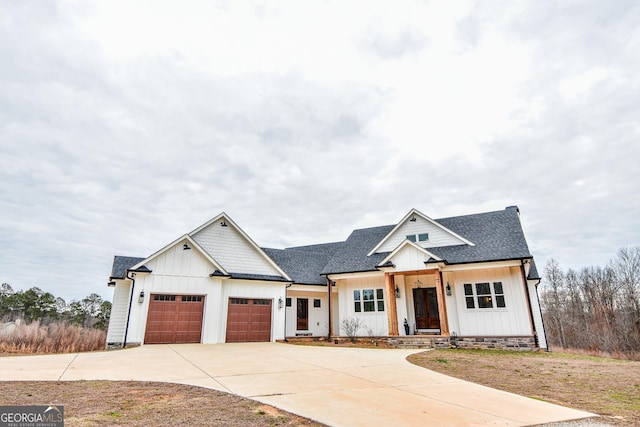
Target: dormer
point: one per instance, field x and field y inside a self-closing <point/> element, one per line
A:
<point x="421" y="230"/>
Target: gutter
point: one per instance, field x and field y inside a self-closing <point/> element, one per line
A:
<point x="133" y="285"/>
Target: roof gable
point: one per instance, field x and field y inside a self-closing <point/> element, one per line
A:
<point x="409" y="256"/>
<point x="225" y="241"/>
<point x="416" y="223"/>
<point x="186" y="242"/>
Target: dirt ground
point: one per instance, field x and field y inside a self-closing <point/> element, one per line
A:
<point x="607" y="387"/>
<point x="123" y="403"/>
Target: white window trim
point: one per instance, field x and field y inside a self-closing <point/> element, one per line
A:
<point x="494" y="300"/>
<point x="375" y="301"/>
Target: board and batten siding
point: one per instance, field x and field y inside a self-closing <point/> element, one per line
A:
<point x="513" y="320"/>
<point x="437" y="236"/>
<point x="177" y="272"/>
<point x="234" y="253"/>
<point x="318" y="317"/>
<point x="374" y="323"/>
<point x="409" y="259"/>
<point x="119" y="310"/>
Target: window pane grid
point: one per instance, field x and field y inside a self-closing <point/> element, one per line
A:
<point x="484" y="295"/>
<point x="368" y="300"/>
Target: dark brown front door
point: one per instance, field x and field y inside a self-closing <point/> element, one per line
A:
<point x="249" y="320"/>
<point x="303" y="314"/>
<point x="425" y="303"/>
<point x="174" y="319"/>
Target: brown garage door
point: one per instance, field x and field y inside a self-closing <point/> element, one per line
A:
<point x="249" y="320"/>
<point x="174" y="319"/>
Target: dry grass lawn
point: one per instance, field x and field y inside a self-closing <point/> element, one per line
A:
<point x="124" y="403"/>
<point x="607" y="387"/>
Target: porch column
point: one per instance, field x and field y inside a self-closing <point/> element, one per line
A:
<point x="392" y="312"/>
<point x="442" y="306"/>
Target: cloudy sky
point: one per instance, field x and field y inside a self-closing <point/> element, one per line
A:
<point x="124" y="125"/>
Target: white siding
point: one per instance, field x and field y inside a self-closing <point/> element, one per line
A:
<point x="409" y="259"/>
<point x="180" y="272"/>
<point x="451" y="302"/>
<point x="120" y="306"/>
<point x="509" y="321"/>
<point x="375" y="323"/>
<point x="318" y="317"/>
<point x="537" y="316"/>
<point x="437" y="236"/>
<point x="228" y="247"/>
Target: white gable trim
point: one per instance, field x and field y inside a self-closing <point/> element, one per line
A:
<point x="192" y="243"/>
<point x="411" y="213"/>
<point x="224" y="217"/>
<point x="415" y="246"/>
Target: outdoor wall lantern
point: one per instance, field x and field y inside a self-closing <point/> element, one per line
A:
<point x="141" y="297"/>
<point x="280" y="301"/>
<point x="448" y="289"/>
<point x="397" y="292"/>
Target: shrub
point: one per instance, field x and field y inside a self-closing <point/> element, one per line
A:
<point x="53" y="338"/>
<point x="351" y="326"/>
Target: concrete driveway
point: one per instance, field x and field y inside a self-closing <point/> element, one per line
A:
<point x="335" y="386"/>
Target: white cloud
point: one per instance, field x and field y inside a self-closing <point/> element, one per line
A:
<point x="124" y="125"/>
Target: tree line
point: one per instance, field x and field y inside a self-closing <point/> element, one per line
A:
<point x="36" y="305"/>
<point x="596" y="308"/>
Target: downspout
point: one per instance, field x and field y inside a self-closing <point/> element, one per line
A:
<point x="526" y="291"/>
<point x="329" y="305"/>
<point x="133" y="284"/>
<point x="285" y="311"/>
<point x="544" y="329"/>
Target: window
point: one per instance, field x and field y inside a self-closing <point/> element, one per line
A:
<point x="499" y="293"/>
<point x="468" y="295"/>
<point x="288" y="302"/>
<point x="160" y="297"/>
<point x="487" y="295"/>
<point x="316" y="303"/>
<point x="191" y="298"/>
<point x="368" y="300"/>
<point x="422" y="237"/>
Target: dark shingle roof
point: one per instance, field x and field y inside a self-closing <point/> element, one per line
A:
<point x="533" y="272"/>
<point x="249" y="276"/>
<point x="352" y="254"/>
<point x="304" y="263"/>
<point x="121" y="264"/>
<point x="497" y="236"/>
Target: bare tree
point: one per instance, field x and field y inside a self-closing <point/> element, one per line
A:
<point x="595" y="308"/>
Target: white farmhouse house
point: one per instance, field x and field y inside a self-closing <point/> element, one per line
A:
<point x="468" y="280"/>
